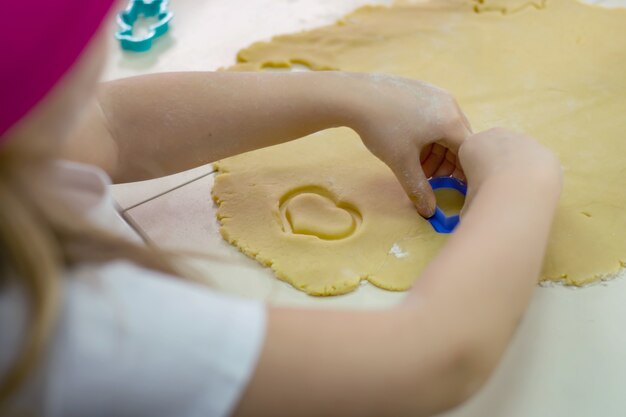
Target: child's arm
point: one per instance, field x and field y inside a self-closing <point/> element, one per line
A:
<point x="441" y="345"/>
<point x="155" y="125"/>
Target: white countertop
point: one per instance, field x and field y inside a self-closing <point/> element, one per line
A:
<point x="568" y="357"/>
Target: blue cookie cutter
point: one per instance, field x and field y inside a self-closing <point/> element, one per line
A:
<point x="440" y="222"/>
<point x="146" y="8"/>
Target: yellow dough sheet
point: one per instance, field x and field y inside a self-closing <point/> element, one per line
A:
<point x="325" y="214"/>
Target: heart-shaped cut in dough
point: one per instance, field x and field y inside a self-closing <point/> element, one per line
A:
<point x="317" y="215"/>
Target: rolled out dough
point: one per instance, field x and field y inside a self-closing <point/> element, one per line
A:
<point x="449" y="200"/>
<point x="555" y="69"/>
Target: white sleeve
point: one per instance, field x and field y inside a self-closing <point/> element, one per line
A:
<point x="132" y="342"/>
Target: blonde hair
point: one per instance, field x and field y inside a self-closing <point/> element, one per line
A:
<point x="40" y="237"/>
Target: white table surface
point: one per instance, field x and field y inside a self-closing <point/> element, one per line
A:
<point x="568" y="358"/>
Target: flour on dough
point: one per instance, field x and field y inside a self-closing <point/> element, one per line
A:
<point x="397" y="251"/>
<point x="554" y="69"/>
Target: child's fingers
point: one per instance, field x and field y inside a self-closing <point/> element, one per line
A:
<point x="441" y="162"/>
<point x="412" y="178"/>
<point x="456" y="132"/>
<point x="459" y="174"/>
<point x="464" y="119"/>
<point x="434" y="161"/>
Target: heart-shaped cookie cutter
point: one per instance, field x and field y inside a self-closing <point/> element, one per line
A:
<point x="440" y="222"/>
<point x="127" y="18"/>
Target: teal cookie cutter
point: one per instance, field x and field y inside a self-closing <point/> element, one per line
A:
<point x="127" y="19"/>
<point x="439" y="221"/>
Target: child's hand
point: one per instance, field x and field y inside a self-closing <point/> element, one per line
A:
<point x="413" y="127"/>
<point x="510" y="156"/>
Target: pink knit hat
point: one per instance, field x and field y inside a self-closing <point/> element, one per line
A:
<point x="41" y="40"/>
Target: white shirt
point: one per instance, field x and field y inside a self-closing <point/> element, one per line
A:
<point x="130" y="341"/>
